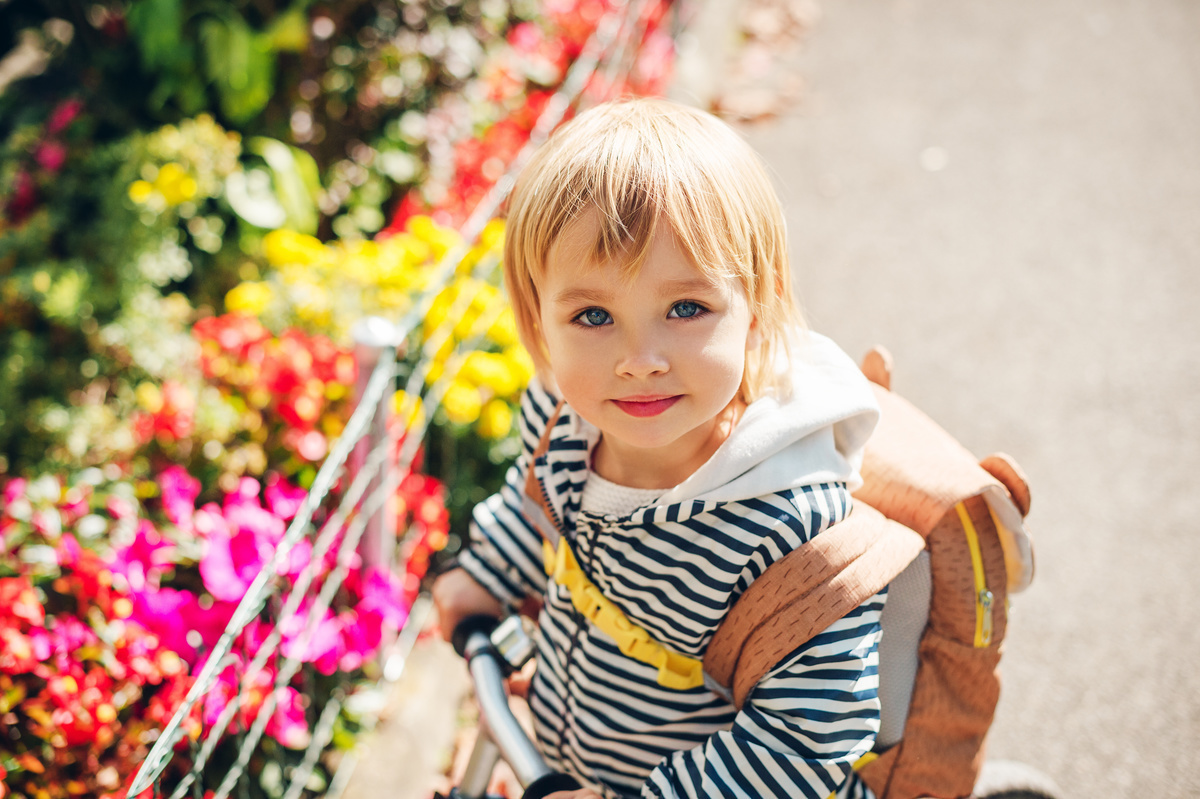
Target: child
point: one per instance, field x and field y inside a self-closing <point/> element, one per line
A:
<point x="683" y="433"/>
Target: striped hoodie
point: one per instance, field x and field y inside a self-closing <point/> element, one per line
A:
<point x="675" y="568"/>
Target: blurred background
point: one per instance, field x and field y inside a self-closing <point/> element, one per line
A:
<point x="200" y="201"/>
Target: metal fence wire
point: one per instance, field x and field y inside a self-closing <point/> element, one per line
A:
<point x="370" y="451"/>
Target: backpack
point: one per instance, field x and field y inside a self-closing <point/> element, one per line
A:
<point x="945" y="533"/>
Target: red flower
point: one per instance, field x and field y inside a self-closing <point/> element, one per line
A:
<point x="50" y="155"/>
<point x="63" y="114"/>
<point x="21" y="204"/>
<point x="17" y="654"/>
<point x="19" y="601"/>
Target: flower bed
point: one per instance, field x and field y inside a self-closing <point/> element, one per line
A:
<point x="182" y="258"/>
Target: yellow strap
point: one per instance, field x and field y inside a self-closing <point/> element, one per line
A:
<point x="675" y="671"/>
<point x="859" y="764"/>
<point x="983" y="596"/>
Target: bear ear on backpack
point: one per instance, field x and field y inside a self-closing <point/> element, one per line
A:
<point x="1010" y="475"/>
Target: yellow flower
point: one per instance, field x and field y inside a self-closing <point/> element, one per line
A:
<point x="259" y="397"/>
<point x="493" y="371"/>
<point x="332" y="425"/>
<point x="410" y="412"/>
<point x="437" y="364"/>
<point x="439" y="309"/>
<point x="149" y="397"/>
<point x="409" y="248"/>
<point x="490" y="245"/>
<point x="441" y="239"/>
<point x="289" y="247"/>
<point x="462" y="402"/>
<point x="359" y="261"/>
<point x="140" y="191"/>
<point x="482" y="297"/>
<point x="495" y="420"/>
<point x="175" y="184"/>
<point x="252" y="297"/>
<point x="518" y="358"/>
<point x="492" y="236"/>
<point x="395" y="264"/>
<point x="504" y="330"/>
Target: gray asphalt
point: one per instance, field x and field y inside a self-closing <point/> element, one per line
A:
<point x="1007" y="196"/>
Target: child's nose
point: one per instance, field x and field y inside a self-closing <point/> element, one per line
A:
<point x="643" y="356"/>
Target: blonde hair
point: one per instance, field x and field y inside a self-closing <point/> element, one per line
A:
<point x="638" y="163"/>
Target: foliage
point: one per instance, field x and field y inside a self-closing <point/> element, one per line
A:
<point x="198" y="202"/>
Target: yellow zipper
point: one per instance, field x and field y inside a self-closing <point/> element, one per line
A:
<point x="983" y="597"/>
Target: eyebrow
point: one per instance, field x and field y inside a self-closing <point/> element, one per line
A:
<point x="580" y="297"/>
<point x="672" y="288"/>
<point x="685" y="286"/>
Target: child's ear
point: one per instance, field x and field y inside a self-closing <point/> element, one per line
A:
<point x="754" y="336"/>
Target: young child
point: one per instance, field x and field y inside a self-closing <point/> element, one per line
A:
<point x="683" y="433"/>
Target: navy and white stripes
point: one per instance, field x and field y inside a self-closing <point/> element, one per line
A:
<point x="675" y="571"/>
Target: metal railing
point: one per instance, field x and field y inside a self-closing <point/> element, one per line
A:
<point x="367" y="447"/>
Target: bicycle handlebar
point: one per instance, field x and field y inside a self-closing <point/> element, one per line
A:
<point x="472" y="639"/>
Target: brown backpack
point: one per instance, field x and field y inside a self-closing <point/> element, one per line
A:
<point x="946" y="533"/>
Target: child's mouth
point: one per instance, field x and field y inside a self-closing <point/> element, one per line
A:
<point x="646" y="406"/>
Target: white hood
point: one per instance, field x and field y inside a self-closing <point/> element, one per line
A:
<point x="816" y="435"/>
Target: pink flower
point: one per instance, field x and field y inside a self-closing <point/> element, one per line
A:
<point x="288" y="723"/>
<point x="223" y="691"/>
<point x="119" y="507"/>
<point x="233" y="554"/>
<point x="525" y="37"/>
<point x="75" y="503"/>
<point x="181" y="622"/>
<point x="161" y="612"/>
<point x="179" y="492"/>
<point x="283" y="499"/>
<point x="43" y="646"/>
<point x="319" y="643"/>
<point x="360" y="639"/>
<point x="62" y="115"/>
<point x="145" y="558"/>
<point x="382" y="594"/>
<point x="14" y="490"/>
<point x="381" y="603"/>
<point x="50" y="155"/>
<point x="68" y="635"/>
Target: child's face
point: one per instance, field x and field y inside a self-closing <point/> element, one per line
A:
<point x="653" y="362"/>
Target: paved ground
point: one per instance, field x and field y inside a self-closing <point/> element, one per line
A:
<point x="1007" y="195"/>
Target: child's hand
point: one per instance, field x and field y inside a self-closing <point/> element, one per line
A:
<point x="582" y="793"/>
<point x="456" y="596"/>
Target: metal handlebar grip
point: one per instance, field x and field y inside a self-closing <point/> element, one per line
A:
<point x="493" y="651"/>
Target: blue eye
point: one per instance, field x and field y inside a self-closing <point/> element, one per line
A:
<point x="594" y="317"/>
<point x="685" y="309"/>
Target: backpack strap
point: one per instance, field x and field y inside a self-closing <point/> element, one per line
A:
<point x="804" y="592"/>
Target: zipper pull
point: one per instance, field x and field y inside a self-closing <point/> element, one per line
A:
<point x="985" y="606"/>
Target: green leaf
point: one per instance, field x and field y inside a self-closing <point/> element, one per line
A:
<point x="62" y="300"/>
<point x="296" y="179"/>
<point x="241" y="65"/>
<point x="288" y="32"/>
<point x="157" y="27"/>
